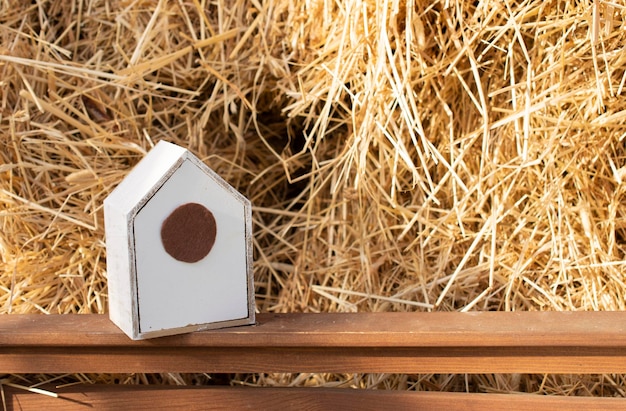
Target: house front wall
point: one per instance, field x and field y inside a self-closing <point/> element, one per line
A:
<point x="175" y="294"/>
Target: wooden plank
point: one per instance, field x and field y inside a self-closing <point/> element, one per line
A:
<point x="293" y="359"/>
<point x="228" y="398"/>
<point x="485" y="342"/>
<point x="438" y="329"/>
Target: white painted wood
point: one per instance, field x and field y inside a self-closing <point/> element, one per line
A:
<point x="151" y="293"/>
<point x="175" y="294"/>
<point x="119" y="272"/>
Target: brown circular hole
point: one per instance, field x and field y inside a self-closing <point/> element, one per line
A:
<point x="188" y="233"/>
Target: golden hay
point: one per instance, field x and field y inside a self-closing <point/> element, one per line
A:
<point x="401" y="155"/>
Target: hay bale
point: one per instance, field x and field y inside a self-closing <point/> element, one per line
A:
<point x="401" y="155"/>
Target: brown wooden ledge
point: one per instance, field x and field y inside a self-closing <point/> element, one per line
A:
<point x="480" y="342"/>
<point x="141" y="397"/>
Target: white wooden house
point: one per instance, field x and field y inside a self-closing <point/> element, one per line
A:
<point x="179" y="248"/>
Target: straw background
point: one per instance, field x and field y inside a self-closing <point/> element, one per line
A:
<point x="400" y="155"/>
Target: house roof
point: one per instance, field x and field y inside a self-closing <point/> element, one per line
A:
<point x="149" y="173"/>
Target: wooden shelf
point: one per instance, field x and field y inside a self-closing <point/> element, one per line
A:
<point x="481" y="342"/>
<point x="125" y="397"/>
<point x="485" y="342"/>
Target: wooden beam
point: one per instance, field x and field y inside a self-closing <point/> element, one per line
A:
<point x="481" y="342"/>
<point x="138" y="397"/>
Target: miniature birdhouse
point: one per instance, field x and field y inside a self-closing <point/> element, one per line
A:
<point x="179" y="248"/>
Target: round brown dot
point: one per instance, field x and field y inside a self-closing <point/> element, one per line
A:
<point x="188" y="233"/>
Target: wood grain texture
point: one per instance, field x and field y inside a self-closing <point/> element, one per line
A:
<point x="483" y="342"/>
<point x="114" y="397"/>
